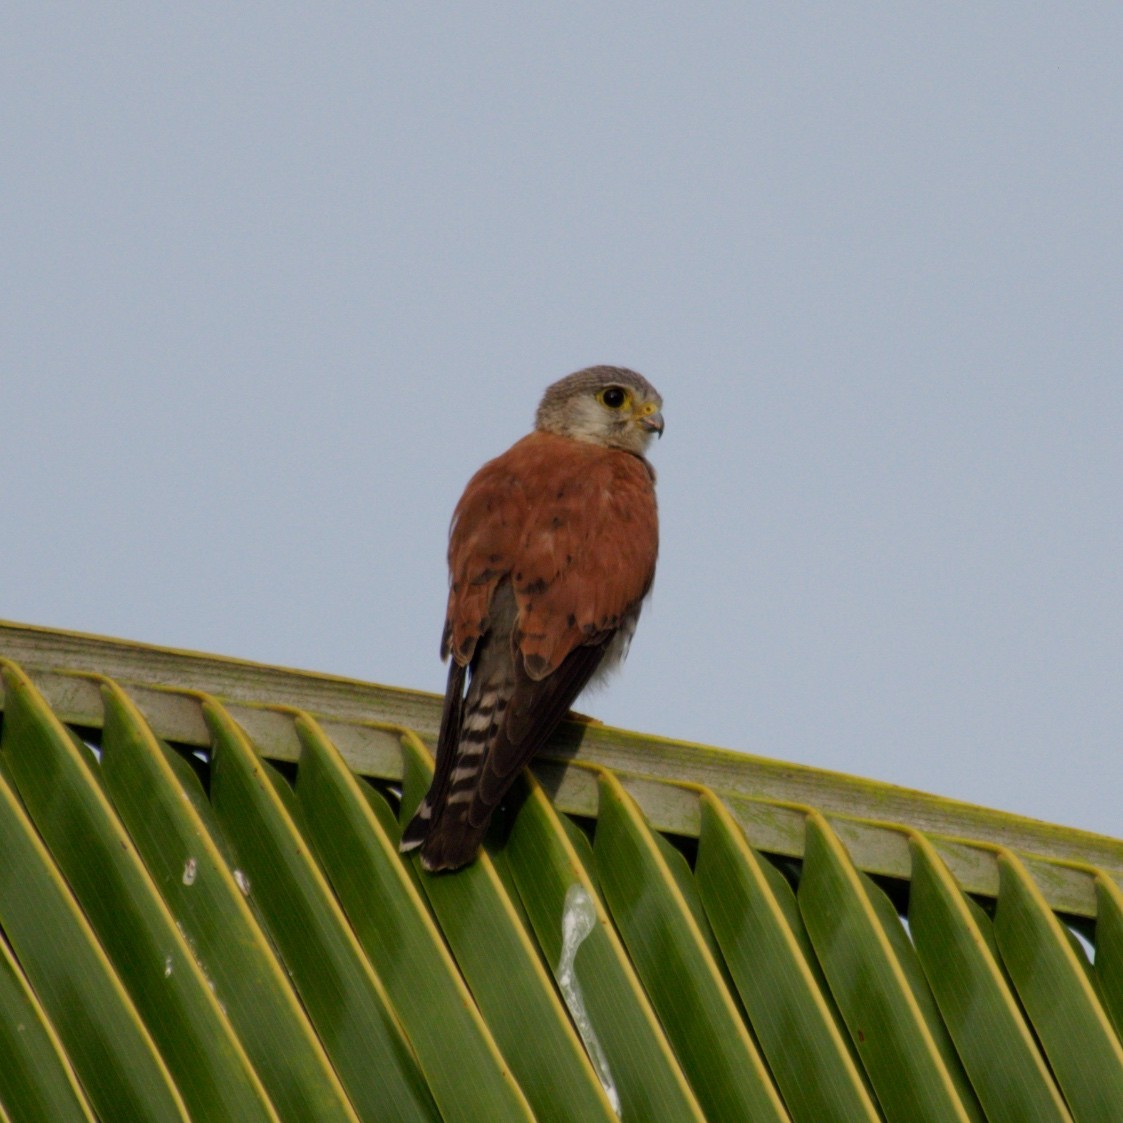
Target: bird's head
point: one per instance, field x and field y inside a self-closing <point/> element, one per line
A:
<point x="609" y="406"/>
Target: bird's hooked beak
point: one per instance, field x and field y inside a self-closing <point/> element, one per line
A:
<point x="652" y="422"/>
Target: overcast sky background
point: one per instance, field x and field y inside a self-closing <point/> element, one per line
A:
<point x="277" y="279"/>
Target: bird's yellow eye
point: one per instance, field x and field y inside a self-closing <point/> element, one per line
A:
<point x="613" y="396"/>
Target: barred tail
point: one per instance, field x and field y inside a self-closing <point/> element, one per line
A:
<point x="441" y="826"/>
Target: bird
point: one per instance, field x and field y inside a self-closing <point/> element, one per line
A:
<point x="551" y="554"/>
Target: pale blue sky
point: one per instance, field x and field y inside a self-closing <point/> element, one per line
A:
<point x="278" y="278"/>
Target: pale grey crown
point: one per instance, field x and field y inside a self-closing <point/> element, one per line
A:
<point x="573" y="407"/>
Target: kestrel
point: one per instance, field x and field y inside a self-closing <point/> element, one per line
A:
<point x="551" y="553"/>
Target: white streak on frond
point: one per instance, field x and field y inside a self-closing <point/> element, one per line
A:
<point x="579" y="918"/>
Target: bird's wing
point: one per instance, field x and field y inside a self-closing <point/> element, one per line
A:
<point x="551" y="552"/>
<point x="575" y="528"/>
<point x="532" y="715"/>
